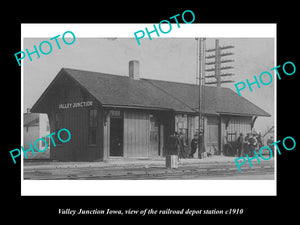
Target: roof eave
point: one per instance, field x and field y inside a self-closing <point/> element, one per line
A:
<point x="245" y="114"/>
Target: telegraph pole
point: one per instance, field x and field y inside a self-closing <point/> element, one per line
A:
<point x="218" y="64"/>
<point x="201" y="75"/>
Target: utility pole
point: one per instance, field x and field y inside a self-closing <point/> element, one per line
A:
<point x="201" y="75"/>
<point x="218" y="64"/>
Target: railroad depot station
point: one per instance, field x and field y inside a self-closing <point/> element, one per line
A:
<point x="113" y="116"/>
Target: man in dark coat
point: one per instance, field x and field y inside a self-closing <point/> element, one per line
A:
<point x="201" y="145"/>
<point x="269" y="142"/>
<point x="252" y="145"/>
<point x="247" y="144"/>
<point x="172" y="146"/>
<point x="194" y="146"/>
<point x="259" y="141"/>
<point x="240" y="145"/>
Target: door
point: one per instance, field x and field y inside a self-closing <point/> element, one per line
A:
<point x="116" y="136"/>
<point x="136" y="134"/>
<point x="154" y="136"/>
<point x="213" y="135"/>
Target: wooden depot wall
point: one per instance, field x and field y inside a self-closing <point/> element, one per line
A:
<point x="64" y="100"/>
<point x="144" y="132"/>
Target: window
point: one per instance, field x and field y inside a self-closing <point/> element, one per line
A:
<point x="47" y="141"/>
<point x="184" y="133"/>
<point x="153" y="128"/>
<point x="93" y="118"/>
<point x="92" y="134"/>
<point x="115" y="113"/>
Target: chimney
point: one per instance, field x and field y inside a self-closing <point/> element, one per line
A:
<point x="134" y="69"/>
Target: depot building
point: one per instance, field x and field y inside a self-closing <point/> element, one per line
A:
<point x="113" y="116"/>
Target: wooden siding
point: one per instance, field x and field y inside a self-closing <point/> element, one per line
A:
<point x="161" y="139"/>
<point x="76" y="120"/>
<point x="136" y="134"/>
<point x="237" y="125"/>
<point x="232" y="126"/>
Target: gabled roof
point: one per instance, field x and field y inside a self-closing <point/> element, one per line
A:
<point x="216" y="100"/>
<point x="122" y="91"/>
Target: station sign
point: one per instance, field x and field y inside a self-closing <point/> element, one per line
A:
<point x="75" y="105"/>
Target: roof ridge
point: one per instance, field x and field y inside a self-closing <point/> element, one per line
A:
<point x="89" y="71"/>
<point x="145" y="79"/>
<point x="177" y="82"/>
<point x="163" y="90"/>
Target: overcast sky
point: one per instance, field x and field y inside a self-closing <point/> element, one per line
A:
<point x="171" y="59"/>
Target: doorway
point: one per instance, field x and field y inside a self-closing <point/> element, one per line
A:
<point x="116" y="136"/>
<point x="213" y="135"/>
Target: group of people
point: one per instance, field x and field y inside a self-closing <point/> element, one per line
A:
<point x="248" y="144"/>
<point x="177" y="146"/>
<point x="240" y="147"/>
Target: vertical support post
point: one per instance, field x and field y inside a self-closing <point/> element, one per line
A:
<point x="218" y="64"/>
<point x="221" y="135"/>
<point x="201" y="58"/>
<point x="199" y="97"/>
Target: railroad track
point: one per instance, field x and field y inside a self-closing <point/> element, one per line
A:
<point x="184" y="173"/>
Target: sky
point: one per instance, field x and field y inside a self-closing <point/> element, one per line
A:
<point x="170" y="59"/>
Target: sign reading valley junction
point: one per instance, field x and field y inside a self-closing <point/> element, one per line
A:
<point x="75" y="105"/>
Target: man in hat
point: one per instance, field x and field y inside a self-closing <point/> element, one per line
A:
<point x="240" y="145"/>
<point x="269" y="142"/>
<point x="173" y="145"/>
<point x="247" y="144"/>
<point x="252" y="144"/>
<point x="194" y="146"/>
<point x="201" y="146"/>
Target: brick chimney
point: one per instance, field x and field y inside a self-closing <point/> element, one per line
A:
<point x="134" y="69"/>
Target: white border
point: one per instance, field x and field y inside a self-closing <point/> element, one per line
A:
<point x="149" y="187"/>
<point x="128" y="30"/>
